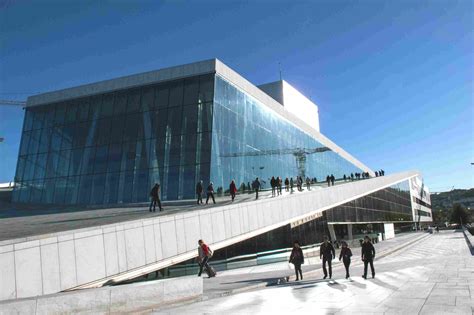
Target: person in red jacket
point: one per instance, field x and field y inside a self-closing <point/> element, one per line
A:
<point x="232" y="189"/>
<point x="346" y="255"/>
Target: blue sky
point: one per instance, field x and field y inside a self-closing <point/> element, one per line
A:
<point x="393" y="79"/>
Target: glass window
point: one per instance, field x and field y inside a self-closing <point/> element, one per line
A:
<point x="25" y="141"/>
<point x="190" y="118"/>
<point x="120" y="103"/>
<point x="114" y="158"/>
<point x="28" y="125"/>
<point x="60" y="190"/>
<point x="174" y="121"/>
<point x="103" y="131"/>
<point x="94" y="108"/>
<point x="97" y="192"/>
<point x="85" y="187"/>
<point x="206" y="88"/>
<point x="87" y="160"/>
<point x="60" y="114"/>
<point x="176" y="93"/>
<point x="107" y="108"/>
<point x="133" y="101"/>
<point x="100" y="160"/>
<point x="116" y="132"/>
<point x="161" y="96"/>
<point x="111" y="188"/>
<point x="82" y="113"/>
<point x="71" y="112"/>
<point x="191" y="91"/>
<point x="133" y="127"/>
<point x="148" y="98"/>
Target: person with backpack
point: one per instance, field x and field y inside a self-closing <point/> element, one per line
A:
<point x="204" y="254"/>
<point x="368" y="255"/>
<point x="155" y="197"/>
<point x="346" y="255"/>
<point x="297" y="259"/>
<point x="232" y="189"/>
<point x="210" y="193"/>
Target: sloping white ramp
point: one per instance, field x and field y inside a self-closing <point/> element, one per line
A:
<point x="91" y="257"/>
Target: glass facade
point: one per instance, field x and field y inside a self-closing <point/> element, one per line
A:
<point x="112" y="148"/>
<point x="391" y="204"/>
<point x="250" y="140"/>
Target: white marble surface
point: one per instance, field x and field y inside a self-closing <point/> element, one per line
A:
<point x="94" y="256"/>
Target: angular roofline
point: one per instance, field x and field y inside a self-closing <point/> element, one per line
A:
<point x="130" y="81"/>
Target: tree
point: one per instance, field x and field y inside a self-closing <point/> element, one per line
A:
<point x="459" y="213"/>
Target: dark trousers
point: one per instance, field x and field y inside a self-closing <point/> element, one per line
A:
<point x="256" y="193"/>
<point x="233" y="196"/>
<point x="298" y="270"/>
<point x="199" y="198"/>
<point x="212" y="196"/>
<point x="368" y="261"/>
<point x="347" y="263"/>
<point x="153" y="203"/>
<point x="327" y="260"/>
<point x="203" y="264"/>
<point x="279" y="190"/>
<point x="273" y="191"/>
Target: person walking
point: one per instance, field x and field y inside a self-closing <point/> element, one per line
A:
<point x="346" y="255"/>
<point x="328" y="180"/>
<point x="287" y="184"/>
<point x="273" y="185"/>
<point x="204" y="254"/>
<point x="232" y="189"/>
<point x="256" y="186"/>
<point x="333" y="179"/>
<point x="199" y="190"/>
<point x="279" y="184"/>
<point x="291" y="184"/>
<point x="210" y="193"/>
<point x="368" y="255"/>
<point x="308" y="183"/>
<point x="155" y="197"/>
<point x="297" y="259"/>
<point x="327" y="253"/>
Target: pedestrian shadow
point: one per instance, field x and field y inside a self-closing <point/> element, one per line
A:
<point x="358" y="284"/>
<point x="384" y="284"/>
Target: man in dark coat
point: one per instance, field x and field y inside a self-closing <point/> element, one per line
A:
<point x="210" y="193"/>
<point x="368" y="255"/>
<point x="327" y="254"/>
<point x="199" y="189"/>
<point x="155" y="197"/>
<point x="297" y="259"/>
<point x="256" y="186"/>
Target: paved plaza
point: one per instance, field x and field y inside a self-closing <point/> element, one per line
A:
<point x="434" y="275"/>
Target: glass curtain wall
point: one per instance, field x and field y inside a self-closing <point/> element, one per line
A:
<point x="250" y="140"/>
<point x="112" y="148"/>
<point x="391" y="204"/>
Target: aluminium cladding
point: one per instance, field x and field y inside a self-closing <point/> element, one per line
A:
<point x="188" y="70"/>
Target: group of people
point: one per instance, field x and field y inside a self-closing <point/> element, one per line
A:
<point x="327" y="253"/>
<point x="330" y="179"/>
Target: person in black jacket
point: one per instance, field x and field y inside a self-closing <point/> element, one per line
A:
<point x="199" y="189"/>
<point x="327" y="253"/>
<point x="155" y="197"/>
<point x="346" y="255"/>
<point x="368" y="255"/>
<point x="297" y="259"/>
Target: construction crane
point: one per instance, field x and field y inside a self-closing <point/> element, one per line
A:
<point x="14" y="103"/>
<point x="299" y="154"/>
